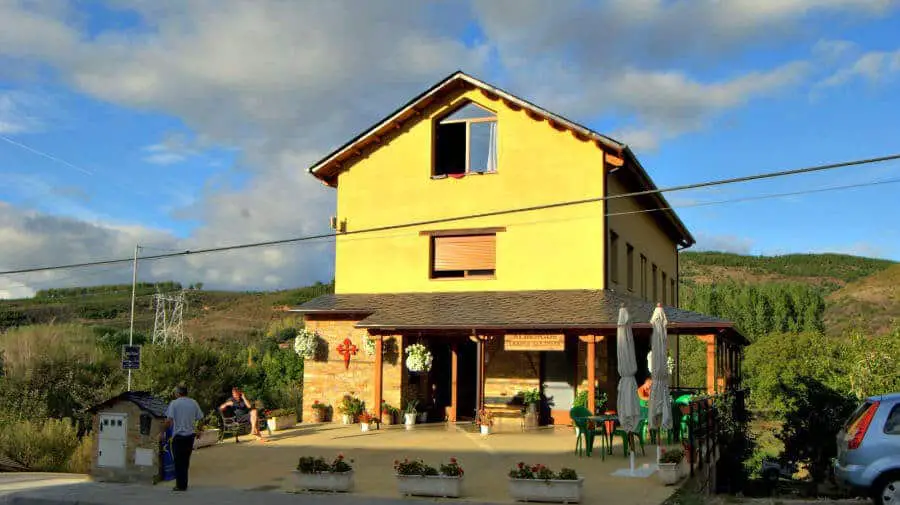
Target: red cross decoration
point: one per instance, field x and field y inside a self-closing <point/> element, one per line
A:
<point x="347" y="349"/>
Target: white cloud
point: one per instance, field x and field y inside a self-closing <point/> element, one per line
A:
<point x="18" y="112"/>
<point x="725" y="243"/>
<point x="872" y="66"/>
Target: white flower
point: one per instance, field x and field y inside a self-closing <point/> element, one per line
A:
<point x="418" y="358"/>
<point x="306" y="343"/>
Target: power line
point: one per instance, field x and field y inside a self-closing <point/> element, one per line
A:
<point x="671" y="189"/>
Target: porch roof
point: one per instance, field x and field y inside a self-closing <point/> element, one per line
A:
<point x="509" y="310"/>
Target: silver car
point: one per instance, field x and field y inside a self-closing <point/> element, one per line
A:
<point x="868" y="449"/>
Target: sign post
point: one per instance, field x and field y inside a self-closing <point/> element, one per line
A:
<point x="131" y="357"/>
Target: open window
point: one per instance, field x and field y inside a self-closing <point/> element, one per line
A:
<point x="466" y="142"/>
<point x="463" y="256"/>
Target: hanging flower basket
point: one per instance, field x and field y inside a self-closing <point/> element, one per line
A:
<point x="306" y="343"/>
<point x="418" y="358"/>
<point x="369" y="346"/>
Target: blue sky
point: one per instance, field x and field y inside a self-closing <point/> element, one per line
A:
<point x="184" y="125"/>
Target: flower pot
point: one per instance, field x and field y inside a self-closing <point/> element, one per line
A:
<point x="387" y="418"/>
<point x="364" y="427"/>
<point x="437" y="485"/>
<point x="409" y="420"/>
<point x="326" y="481"/>
<point x="346" y="419"/>
<point x="278" y="423"/>
<point x="556" y="491"/>
<point x="206" y="438"/>
<point x="669" y="473"/>
<point x="531" y="415"/>
<point x="318" y="416"/>
<point x="423" y="417"/>
<point x="485" y="429"/>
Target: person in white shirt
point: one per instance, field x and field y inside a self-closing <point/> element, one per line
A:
<point x="181" y="415"/>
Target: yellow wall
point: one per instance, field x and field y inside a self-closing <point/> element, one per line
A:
<point x="559" y="248"/>
<point x="643" y="232"/>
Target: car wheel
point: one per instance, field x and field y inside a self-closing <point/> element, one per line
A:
<point x="887" y="489"/>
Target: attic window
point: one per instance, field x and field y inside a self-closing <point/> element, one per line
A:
<point x="466" y="142"/>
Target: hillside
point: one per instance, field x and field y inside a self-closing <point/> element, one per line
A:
<point x="871" y="304"/>
<point x="857" y="290"/>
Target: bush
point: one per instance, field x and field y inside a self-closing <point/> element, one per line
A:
<point x="42" y="447"/>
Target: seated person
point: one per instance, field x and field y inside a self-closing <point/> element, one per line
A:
<point x="644" y="390"/>
<point x="243" y="410"/>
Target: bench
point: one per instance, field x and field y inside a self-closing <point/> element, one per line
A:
<point x="237" y="427"/>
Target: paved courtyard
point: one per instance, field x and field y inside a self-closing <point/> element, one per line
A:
<point x="486" y="460"/>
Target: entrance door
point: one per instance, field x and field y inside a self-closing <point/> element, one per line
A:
<point x="442" y="376"/>
<point x="113" y="430"/>
<point x="558" y="384"/>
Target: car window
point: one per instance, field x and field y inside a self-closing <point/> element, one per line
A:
<point x="892" y="425"/>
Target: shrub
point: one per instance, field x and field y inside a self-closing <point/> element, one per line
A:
<point x="541" y="472"/>
<point x="41" y="447"/>
<point x="80" y="462"/>
<point x="672" y="456"/>
<point x="452" y="469"/>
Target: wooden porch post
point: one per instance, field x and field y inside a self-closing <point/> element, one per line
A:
<point x="479" y="366"/>
<point x="379" y="371"/>
<point x="711" y="361"/>
<point x="454" y="370"/>
<point x="591" y="375"/>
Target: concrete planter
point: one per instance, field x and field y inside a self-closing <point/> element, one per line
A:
<point x="346" y="419"/>
<point x="669" y="473"/>
<point x="555" y="491"/>
<point x="368" y="426"/>
<point x="206" y="438"/>
<point x="281" y="422"/>
<point x="485" y="429"/>
<point x="327" y="481"/>
<point x="437" y="485"/>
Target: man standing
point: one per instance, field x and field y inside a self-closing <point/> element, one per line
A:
<point x="181" y="415"/>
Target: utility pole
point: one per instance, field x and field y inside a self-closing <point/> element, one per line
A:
<point x="133" y="291"/>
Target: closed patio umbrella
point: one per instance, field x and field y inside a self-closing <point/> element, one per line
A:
<point x="659" y="409"/>
<point x="627" y="405"/>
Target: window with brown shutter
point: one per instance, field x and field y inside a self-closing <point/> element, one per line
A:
<point x="463" y="256"/>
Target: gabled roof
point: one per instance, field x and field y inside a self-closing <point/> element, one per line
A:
<point x="509" y="310"/>
<point x="143" y="399"/>
<point x="618" y="154"/>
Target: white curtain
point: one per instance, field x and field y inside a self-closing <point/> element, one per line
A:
<point x="627" y="407"/>
<point x="660" y="407"/>
<point x="492" y="149"/>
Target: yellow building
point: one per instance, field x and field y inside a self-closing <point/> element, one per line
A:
<point x="503" y="237"/>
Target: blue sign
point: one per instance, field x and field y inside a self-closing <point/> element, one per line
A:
<point x="167" y="459"/>
<point x="131" y="357"/>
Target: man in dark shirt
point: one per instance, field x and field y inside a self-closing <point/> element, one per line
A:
<point x="243" y="410"/>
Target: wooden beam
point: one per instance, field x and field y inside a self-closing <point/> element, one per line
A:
<point x="479" y="372"/>
<point x="379" y="373"/>
<point x="591" y="376"/>
<point x="614" y="160"/>
<point x="489" y="94"/>
<point x="512" y="105"/>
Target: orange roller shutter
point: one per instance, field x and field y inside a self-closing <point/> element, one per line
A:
<point x="472" y="252"/>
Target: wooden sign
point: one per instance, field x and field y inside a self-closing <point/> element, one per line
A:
<point x="534" y="342"/>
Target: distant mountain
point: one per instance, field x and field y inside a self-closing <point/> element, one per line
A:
<point x="859" y="292"/>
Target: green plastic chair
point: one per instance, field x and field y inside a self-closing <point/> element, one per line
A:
<point x="639" y="431"/>
<point x="584" y="443"/>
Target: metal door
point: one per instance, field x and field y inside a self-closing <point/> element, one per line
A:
<point x="112" y="440"/>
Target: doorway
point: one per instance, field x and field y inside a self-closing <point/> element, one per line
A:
<point x="558" y="383"/>
<point x="441" y="378"/>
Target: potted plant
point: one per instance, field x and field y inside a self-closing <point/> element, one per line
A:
<point x="369" y="346"/>
<point x="317" y="474"/>
<point x="207" y="431"/>
<point x="306" y="343"/>
<point x="281" y="419"/>
<point x="350" y="408"/>
<point x="367" y="422"/>
<point x="415" y="478"/>
<point x="485" y="420"/>
<point x="669" y="466"/>
<point x="418" y="358"/>
<point x="539" y="483"/>
<point x="409" y="415"/>
<point x="532" y="400"/>
<point x="387" y="414"/>
<point x="319" y="411"/>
